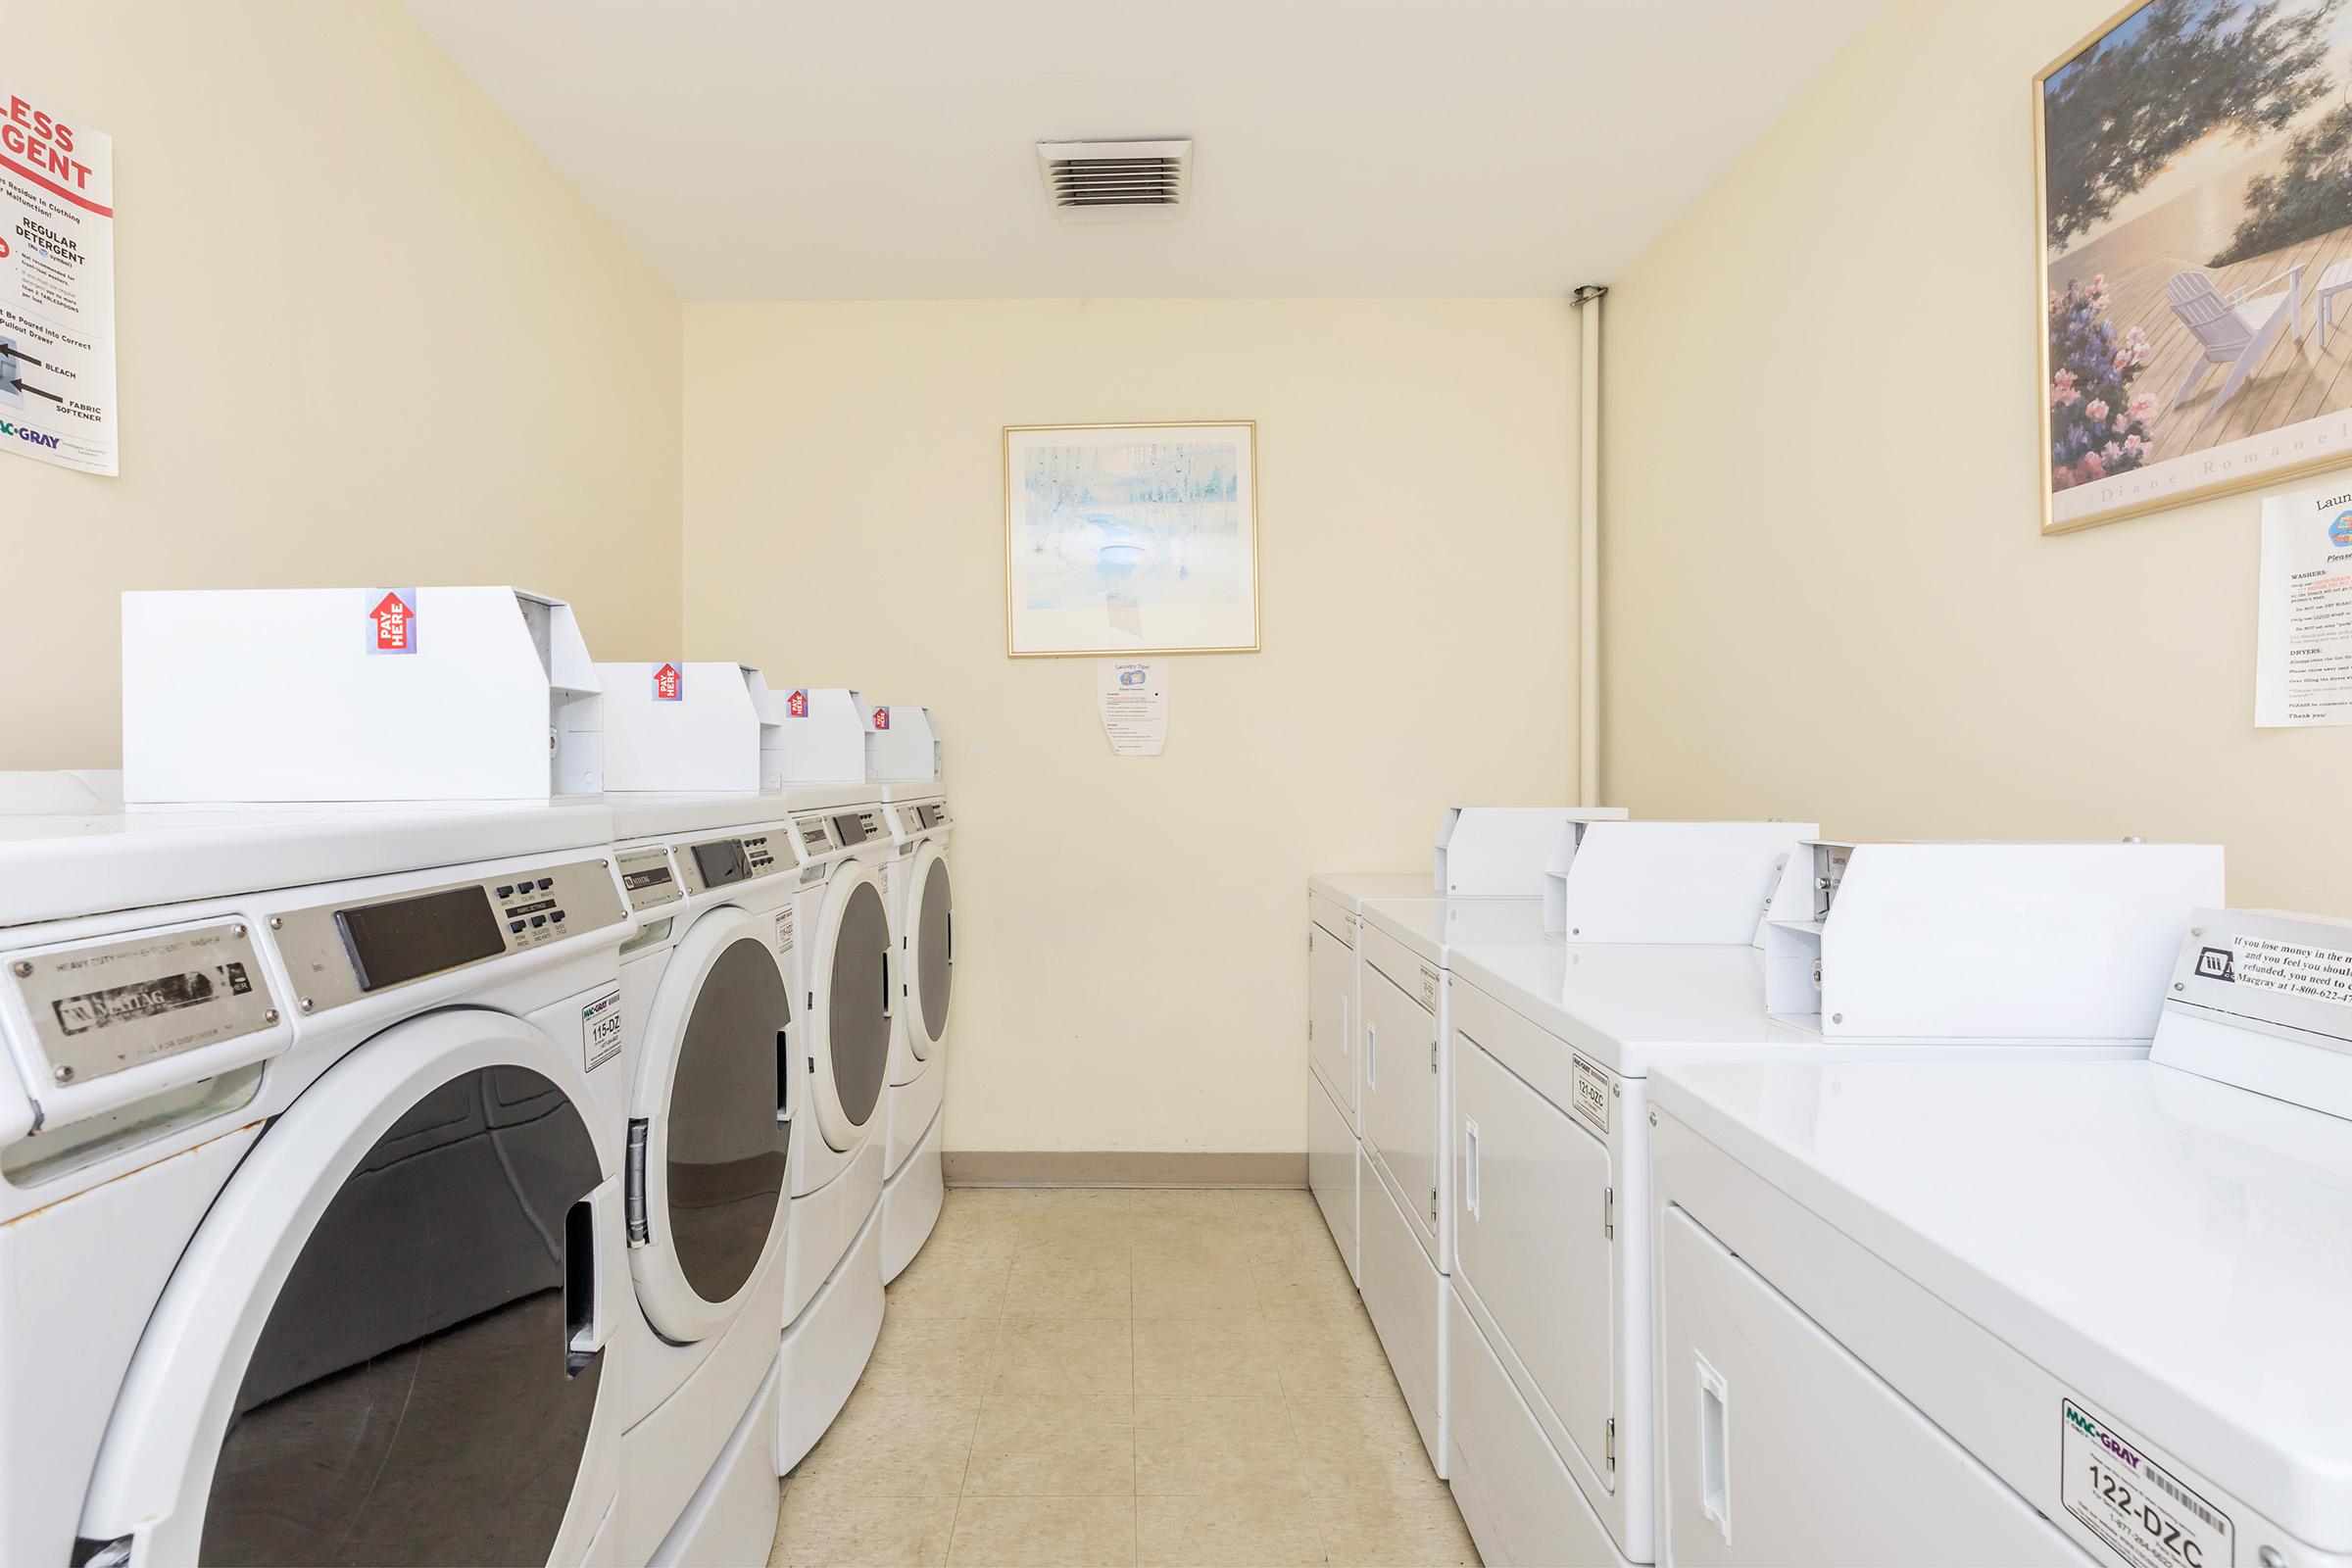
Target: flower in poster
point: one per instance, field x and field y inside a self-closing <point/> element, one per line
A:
<point x="2097" y="428"/>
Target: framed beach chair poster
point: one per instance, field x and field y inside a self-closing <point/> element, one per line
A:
<point x="2194" y="174"/>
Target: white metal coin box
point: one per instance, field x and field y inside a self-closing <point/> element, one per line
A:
<point x="1682" y="882"/>
<point x="1925" y="940"/>
<point x="355" y="694"/>
<point x="902" y="744"/>
<point x="824" y="730"/>
<point x="1499" y="852"/>
<point x="681" y="727"/>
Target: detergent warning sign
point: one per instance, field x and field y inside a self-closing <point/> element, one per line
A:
<point x="57" y="286"/>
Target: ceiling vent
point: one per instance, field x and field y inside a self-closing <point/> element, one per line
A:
<point x="1116" y="181"/>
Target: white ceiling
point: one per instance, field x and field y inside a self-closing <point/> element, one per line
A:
<point x="882" y="149"/>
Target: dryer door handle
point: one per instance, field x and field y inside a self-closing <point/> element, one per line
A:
<point x="587" y="1303"/>
<point x="784" y="1074"/>
<point x="1372" y="1055"/>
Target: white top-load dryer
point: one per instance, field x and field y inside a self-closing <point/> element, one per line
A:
<point x="2088" y="1312"/>
<point x="1483" y="852"/>
<point x="313" y="1232"/>
<point x="1334" y="1136"/>
<point x="1551" y="1409"/>
<point x="1490" y="861"/>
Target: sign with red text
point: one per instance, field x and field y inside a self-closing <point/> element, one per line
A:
<point x="57" y="286"/>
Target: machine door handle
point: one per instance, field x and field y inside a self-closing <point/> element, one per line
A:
<point x="1714" y="1446"/>
<point x="1470" y="1166"/>
<point x="587" y="1315"/>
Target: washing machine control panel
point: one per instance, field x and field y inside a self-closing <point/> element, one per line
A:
<point x="922" y="816"/>
<point x="99" y="1008"/>
<point x="339" y="953"/>
<point x="715" y="863"/>
<point x="856" y="827"/>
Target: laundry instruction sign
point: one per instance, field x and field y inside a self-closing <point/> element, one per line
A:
<point x="57" y="286"/>
<point x="1131" y="695"/>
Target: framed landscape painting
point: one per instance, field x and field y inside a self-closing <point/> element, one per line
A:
<point x="1131" y="539"/>
<point x="2195" y="182"/>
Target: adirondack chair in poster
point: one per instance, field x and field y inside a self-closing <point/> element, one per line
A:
<point x="2234" y="329"/>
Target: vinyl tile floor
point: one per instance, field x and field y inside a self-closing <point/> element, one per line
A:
<point x="1097" y="1376"/>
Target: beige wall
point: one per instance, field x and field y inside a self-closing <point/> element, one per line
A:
<point x="1826" y="591"/>
<point x="1132" y="943"/>
<point x="366" y="334"/>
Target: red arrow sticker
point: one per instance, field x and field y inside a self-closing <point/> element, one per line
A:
<point x="881" y="719"/>
<point x="392" y="622"/>
<point x="670" y="684"/>
<point x="797" y="705"/>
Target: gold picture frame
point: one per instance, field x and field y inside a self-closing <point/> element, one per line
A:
<point x="2210" y="439"/>
<point x="1119" y="544"/>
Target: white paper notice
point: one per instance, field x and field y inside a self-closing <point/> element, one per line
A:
<point x="1133" y="695"/>
<point x="57" y="286"/>
<point x="2303" y="638"/>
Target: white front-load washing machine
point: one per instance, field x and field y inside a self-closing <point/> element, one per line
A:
<point x="840" y="962"/>
<point x="313" y="1233"/>
<point x="922" y="915"/>
<point x="707" y="1066"/>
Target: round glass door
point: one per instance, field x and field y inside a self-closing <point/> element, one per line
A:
<point x="934" y="955"/>
<point x="853" y="959"/>
<point x="412" y="1396"/>
<point x="727" y="1142"/>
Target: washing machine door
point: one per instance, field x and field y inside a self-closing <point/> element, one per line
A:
<point x="709" y="1134"/>
<point x="384" y="1343"/>
<point x="930" y="948"/>
<point x="850" y="1006"/>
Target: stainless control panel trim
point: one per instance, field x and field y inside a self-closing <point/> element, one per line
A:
<point x="715" y="864"/>
<point x="530" y="907"/>
<point x="103" y="1008"/>
<point x="648" y="878"/>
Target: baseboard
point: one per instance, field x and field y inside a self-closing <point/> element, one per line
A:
<point x="1013" y="1167"/>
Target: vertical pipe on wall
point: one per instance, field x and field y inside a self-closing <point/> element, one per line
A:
<point x="1588" y="539"/>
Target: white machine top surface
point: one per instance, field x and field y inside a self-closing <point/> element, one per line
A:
<point x="1430" y="926"/>
<point x="2179" y="1250"/>
<point x="651" y="815"/>
<point x="60" y="865"/>
<point x="1355" y="889"/>
<point x="1628" y="1005"/>
<point x="1633" y="1007"/>
<point x="904" y="789"/>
